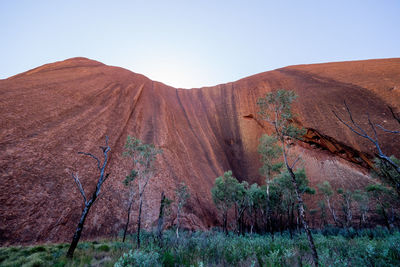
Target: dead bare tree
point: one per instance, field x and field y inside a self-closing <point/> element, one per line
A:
<point x="396" y="117"/>
<point x="357" y="129"/>
<point x="89" y="202"/>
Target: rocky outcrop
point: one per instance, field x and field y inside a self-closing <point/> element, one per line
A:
<point x="50" y="113"/>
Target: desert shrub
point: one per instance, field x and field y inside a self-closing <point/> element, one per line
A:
<point x="35" y="260"/>
<point x="368" y="247"/>
<point x="37" y="249"/>
<point x="168" y="259"/>
<point x="102" y="247"/>
<point x="139" y="258"/>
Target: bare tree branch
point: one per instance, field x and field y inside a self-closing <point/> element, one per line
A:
<point x="91" y="155"/>
<point x="348" y="126"/>
<point x="361" y="131"/>
<point x="80" y="187"/>
<point x="352" y="120"/>
<point x="386" y="130"/>
<point x="372" y="127"/>
<point x="364" y="134"/>
<point x="107" y="175"/>
<point x="294" y="163"/>
<point x="89" y="203"/>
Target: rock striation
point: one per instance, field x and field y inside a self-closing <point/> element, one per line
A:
<point x="50" y="113"/>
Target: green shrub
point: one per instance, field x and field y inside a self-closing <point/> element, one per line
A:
<point x="367" y="247"/>
<point x="102" y="247"/>
<point x="36" y="261"/>
<point x="139" y="258"/>
<point x="37" y="249"/>
<point x="167" y="259"/>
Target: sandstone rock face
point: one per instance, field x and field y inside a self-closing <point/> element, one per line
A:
<point x="50" y="113"/>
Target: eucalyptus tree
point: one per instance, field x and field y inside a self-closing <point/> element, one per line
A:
<point x="362" y="200"/>
<point x="383" y="197"/>
<point x="143" y="158"/>
<point x="165" y="204"/>
<point x="322" y="208"/>
<point x="88" y="202"/>
<point x="182" y="195"/>
<point x="387" y="174"/>
<point x="326" y="190"/>
<point x="222" y="194"/>
<point x="276" y="109"/>
<point x="288" y="195"/>
<point x="346" y="203"/>
<point x="269" y="152"/>
<point x="128" y="182"/>
<point x="256" y="202"/>
<point x="241" y="200"/>
<point x="276" y="206"/>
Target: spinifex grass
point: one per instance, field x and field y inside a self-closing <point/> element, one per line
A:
<point x="102" y="253"/>
<point x="336" y="247"/>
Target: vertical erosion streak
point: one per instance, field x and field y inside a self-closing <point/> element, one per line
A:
<point x="209" y="161"/>
<point x="149" y="136"/>
<point x="133" y="107"/>
<point x="233" y="145"/>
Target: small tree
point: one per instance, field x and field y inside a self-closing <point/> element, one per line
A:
<point x="164" y="207"/>
<point x="257" y="197"/>
<point x="128" y="182"/>
<point x="276" y="205"/>
<point x="326" y="189"/>
<point x="275" y="108"/>
<point x="362" y="199"/>
<point x="322" y="208"/>
<point x="269" y="152"/>
<point x="387" y="174"/>
<point x="222" y="195"/>
<point x="89" y="202"/>
<point x="347" y="200"/>
<point x="241" y="199"/>
<point x="143" y="157"/>
<point x="313" y="212"/>
<point x="288" y="196"/>
<point x="383" y="197"/>
<point x="182" y="195"/>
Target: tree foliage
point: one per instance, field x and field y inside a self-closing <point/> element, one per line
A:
<point x="182" y="195"/>
<point x="383" y="197"/>
<point x="276" y="109"/>
<point x="223" y="193"/>
<point x="387" y="173"/>
<point x="143" y="157"/>
<point x="269" y="152"/>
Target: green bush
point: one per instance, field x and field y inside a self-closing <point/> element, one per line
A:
<point x="139" y="258"/>
<point x="102" y="247"/>
<point x="367" y="247"/>
<point x="35" y="260"/>
<point x="37" y="249"/>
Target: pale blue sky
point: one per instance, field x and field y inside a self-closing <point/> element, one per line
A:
<point x="196" y="43"/>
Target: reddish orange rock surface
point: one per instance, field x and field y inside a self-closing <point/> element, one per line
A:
<point x="50" y="113"/>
